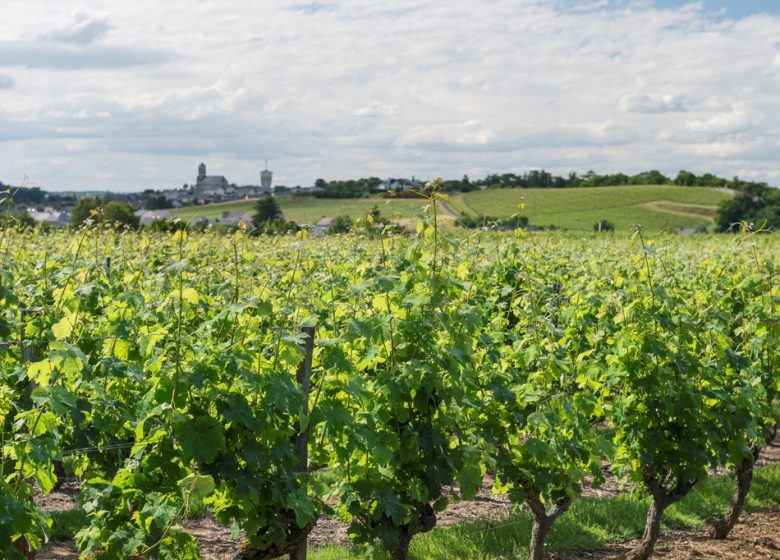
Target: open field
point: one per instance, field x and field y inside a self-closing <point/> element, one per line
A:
<point x="213" y="210"/>
<point x="311" y="210"/>
<point x="653" y="206"/>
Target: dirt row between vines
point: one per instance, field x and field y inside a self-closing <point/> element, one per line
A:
<point x="756" y="537"/>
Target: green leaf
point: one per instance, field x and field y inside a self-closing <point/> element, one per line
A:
<point x="201" y="439"/>
<point x="199" y="486"/>
<point x="64" y="327"/>
<point x="40" y="372"/>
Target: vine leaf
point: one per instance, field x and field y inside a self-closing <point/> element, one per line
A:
<point x="201" y="439"/>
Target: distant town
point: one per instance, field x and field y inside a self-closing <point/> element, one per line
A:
<point x="152" y="205"/>
<point x="263" y="208"/>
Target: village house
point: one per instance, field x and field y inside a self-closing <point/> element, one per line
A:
<point x="322" y="226"/>
<point x="231" y="219"/>
<point x="51" y="216"/>
<point x="399" y="185"/>
<point x="147" y="217"/>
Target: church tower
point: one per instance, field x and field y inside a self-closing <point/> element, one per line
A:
<point x="201" y="172"/>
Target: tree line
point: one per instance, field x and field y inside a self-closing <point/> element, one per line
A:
<point x="756" y="203"/>
<point x="540" y="179"/>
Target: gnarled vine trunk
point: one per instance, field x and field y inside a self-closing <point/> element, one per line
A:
<point x="743" y="476"/>
<point x="296" y="537"/>
<point x="426" y="522"/>
<point x="24" y="548"/>
<point x="662" y="499"/>
<point x="543" y="521"/>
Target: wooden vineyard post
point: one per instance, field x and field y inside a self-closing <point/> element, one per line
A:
<point x="295" y="545"/>
<point x="303" y="378"/>
<point x="28" y="351"/>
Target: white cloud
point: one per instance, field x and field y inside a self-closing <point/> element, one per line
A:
<point x="451" y="136"/>
<point x="145" y="90"/>
<point x="737" y="119"/>
<point x="82" y="29"/>
<point x="69" y="57"/>
<point x="6" y="81"/>
<point x="377" y="109"/>
<point x="652" y="103"/>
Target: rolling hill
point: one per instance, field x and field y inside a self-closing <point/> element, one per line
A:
<point x="655" y="207"/>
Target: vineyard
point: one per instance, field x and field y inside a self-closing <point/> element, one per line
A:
<point x="270" y="381"/>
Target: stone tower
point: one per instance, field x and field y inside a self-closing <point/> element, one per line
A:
<point x="265" y="178"/>
<point x="201" y="172"/>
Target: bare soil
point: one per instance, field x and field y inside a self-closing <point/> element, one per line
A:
<point x="757" y="536"/>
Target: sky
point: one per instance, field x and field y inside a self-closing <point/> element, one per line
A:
<point x="127" y="95"/>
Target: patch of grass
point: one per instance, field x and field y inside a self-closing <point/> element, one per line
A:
<point x="310" y="210"/>
<point x="212" y="211"/>
<point x="696" y="210"/>
<point x="67" y="523"/>
<point x="589" y="525"/>
<point x="579" y="209"/>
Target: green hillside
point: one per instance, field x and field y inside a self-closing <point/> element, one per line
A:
<point x="653" y="206"/>
<point x="213" y="210"/>
<point x="310" y="210"/>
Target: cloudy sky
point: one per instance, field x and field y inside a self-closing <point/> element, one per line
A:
<point x="127" y="95"/>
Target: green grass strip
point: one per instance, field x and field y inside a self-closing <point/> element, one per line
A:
<point x="589" y="525"/>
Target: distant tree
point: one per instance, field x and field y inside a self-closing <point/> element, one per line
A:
<point x="655" y="177"/>
<point x="86" y="207"/>
<point x="120" y="214"/>
<point x="603" y="226"/>
<point x="754" y="203"/>
<point x="28" y="195"/>
<point x="341" y="224"/>
<point x="157" y="202"/>
<point x="710" y="180"/>
<point x="266" y="210"/>
<point x="279" y="226"/>
<point x="685" y="178"/>
<point x="373" y="183"/>
<point x="768" y="217"/>
<point x="17" y="220"/>
<point x="100" y="211"/>
<point x="342" y="189"/>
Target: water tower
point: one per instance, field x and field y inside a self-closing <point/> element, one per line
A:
<point x="265" y="178"/>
